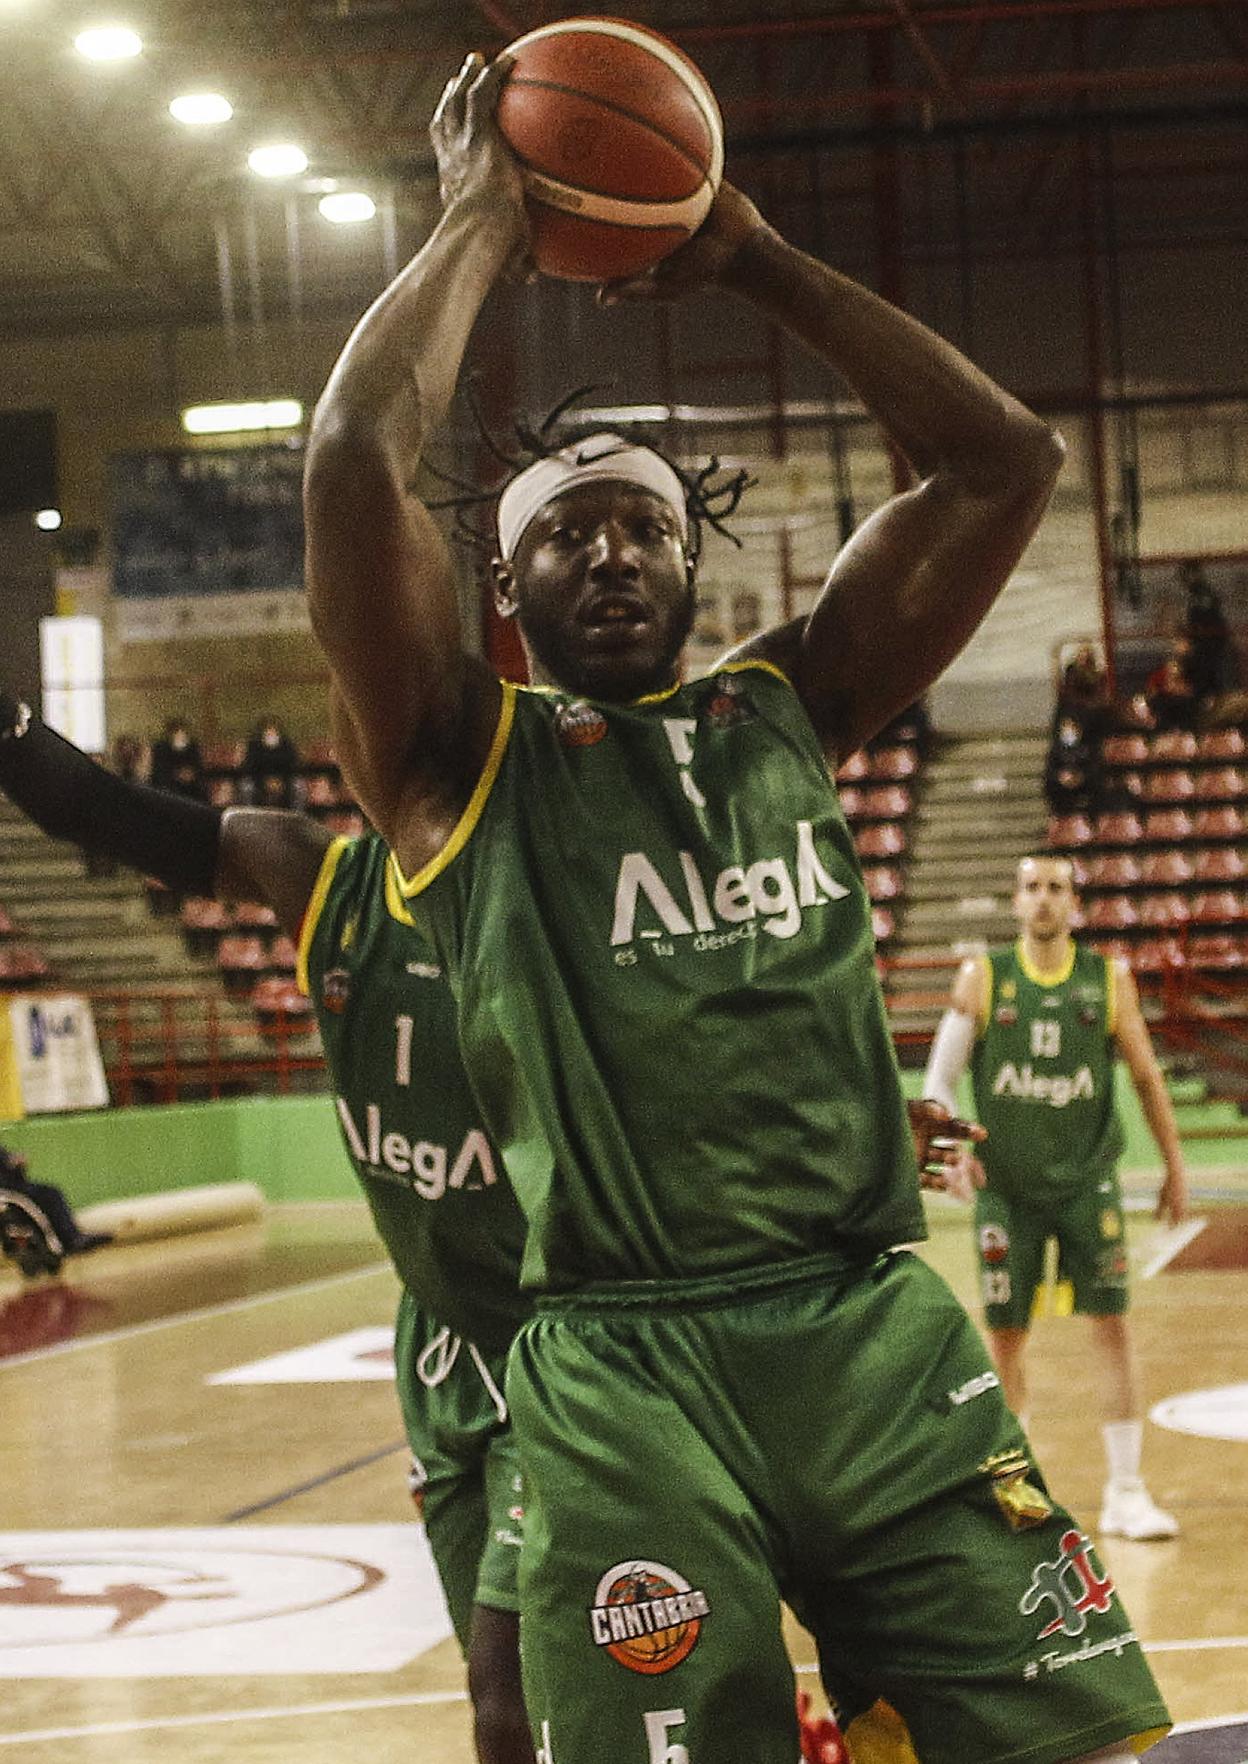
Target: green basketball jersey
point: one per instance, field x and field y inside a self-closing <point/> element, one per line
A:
<point x="654" y="921"/>
<point x="412" y="1128"/>
<point x="1043" y="1074"/>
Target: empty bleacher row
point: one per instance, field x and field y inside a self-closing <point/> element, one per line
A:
<point x="1162" y="867"/>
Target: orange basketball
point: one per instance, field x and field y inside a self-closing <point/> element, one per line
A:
<point x="620" y="141"/>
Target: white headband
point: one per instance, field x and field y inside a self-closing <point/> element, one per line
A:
<point x="605" y="458"/>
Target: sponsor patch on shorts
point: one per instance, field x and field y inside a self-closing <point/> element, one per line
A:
<point x="647" y="1616"/>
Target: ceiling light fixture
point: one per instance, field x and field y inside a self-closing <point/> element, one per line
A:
<point x="48" y="520"/>
<point x="279" y="160"/>
<point x="345" y="206"/>
<point x="237" y="419"/>
<point x="200" y="110"/>
<point x="108" y="43"/>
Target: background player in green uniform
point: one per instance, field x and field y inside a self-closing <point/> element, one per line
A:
<point x="410" y="1124"/>
<point x="1039" y="1024"/>
<point x="660" y="944"/>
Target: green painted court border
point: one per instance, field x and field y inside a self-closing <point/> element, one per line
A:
<point x="289" y="1147"/>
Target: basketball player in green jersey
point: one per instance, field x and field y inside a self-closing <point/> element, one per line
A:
<point x="411" y="1127"/>
<point x="650" y="911"/>
<point x="1039" y="1025"/>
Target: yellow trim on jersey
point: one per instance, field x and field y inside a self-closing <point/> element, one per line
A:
<point x="1111" y="996"/>
<point x="736" y="667"/>
<point x="315" y="907"/>
<point x="395" y="878"/>
<point x="985" y="1009"/>
<point x="1037" y="976"/>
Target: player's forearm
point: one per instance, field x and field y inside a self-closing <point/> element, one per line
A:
<point x="1150" y="1087"/>
<point x="950" y="1055"/>
<point x="394" y="381"/>
<point x="70" y="797"/>
<point x="936" y="406"/>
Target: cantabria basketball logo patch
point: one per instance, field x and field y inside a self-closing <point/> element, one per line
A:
<point x="647" y="1616"/>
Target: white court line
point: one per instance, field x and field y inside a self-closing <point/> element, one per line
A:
<point x="1167" y="1244"/>
<point x="430" y="1699"/>
<point x="219" y="1717"/>
<point x="226" y="1308"/>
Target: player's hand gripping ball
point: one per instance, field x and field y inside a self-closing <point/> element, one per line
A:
<point x="620" y="144"/>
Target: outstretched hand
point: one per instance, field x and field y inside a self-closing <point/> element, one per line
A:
<point x="475" y="163"/>
<point x="701" y="260"/>
<point x="942" y="1144"/>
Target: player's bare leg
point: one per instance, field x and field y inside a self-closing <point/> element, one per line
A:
<point x="1128" y="1509"/>
<point x="500" y="1724"/>
<point x="1008" y="1349"/>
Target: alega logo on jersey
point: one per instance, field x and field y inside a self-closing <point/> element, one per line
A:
<point x="1022" y="1084"/>
<point x="647" y="1616"/>
<point x="771" y="891"/>
<point x="418" y="1164"/>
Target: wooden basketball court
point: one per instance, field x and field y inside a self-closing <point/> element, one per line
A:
<point x="194" y="1569"/>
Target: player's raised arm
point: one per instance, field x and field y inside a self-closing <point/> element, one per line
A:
<point x="416" y="712"/>
<point x="1136" y="1047"/>
<point x="910" y="587"/>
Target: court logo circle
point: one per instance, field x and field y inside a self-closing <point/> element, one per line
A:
<point x="647" y="1616"/>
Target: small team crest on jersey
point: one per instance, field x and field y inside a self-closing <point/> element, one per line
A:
<point x="335" y="989"/>
<point x="646" y="1616"/>
<point x="1022" y="1503"/>
<point x="994" y="1243"/>
<point x="730" y="705"/>
<point x="580" y="724"/>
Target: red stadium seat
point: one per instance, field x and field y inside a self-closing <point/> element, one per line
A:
<point x="320" y="792"/>
<point x="203" y="923"/>
<point x="882" y="924"/>
<point x="278" y="997"/>
<point x="1224" y="821"/>
<point x="1170" y="785"/>
<point x="1113" y="869"/>
<point x="254" y="916"/>
<point x="223" y="756"/>
<point x="1170" y="866"/>
<point x="1163" y="910"/>
<point x="1168" y="825"/>
<point x="6" y="924"/>
<point x="1110" y="912"/>
<point x="283" y="955"/>
<point x="851" y="802"/>
<point x="1080" y="872"/>
<point x="1172" y="744"/>
<point x="1215" y="949"/>
<point x="1132" y="783"/>
<point x="1114" y="949"/>
<point x="1118" y="827"/>
<point x="1220" y="863"/>
<point x="1220" y="906"/>
<point x="896" y="763"/>
<point x="1069" y="831"/>
<point x="856" y="767"/>
<point x="349" y="822"/>
<point x="886" y="802"/>
<point x="222" y="791"/>
<point x="241" y="959"/>
<point x="1222" y="744"/>
<point x="886" y="839"/>
<point x="883" y="881"/>
<point x="1152" y="955"/>
<point x="1124" y="750"/>
<point x="22" y="965"/>
<point x="1221" y="784"/>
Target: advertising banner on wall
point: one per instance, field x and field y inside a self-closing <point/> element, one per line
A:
<point x="49" y="1056"/>
<point x="208" y="542"/>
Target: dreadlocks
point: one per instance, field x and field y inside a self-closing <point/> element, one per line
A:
<point x="707" y="502"/>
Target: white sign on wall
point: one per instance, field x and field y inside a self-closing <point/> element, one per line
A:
<point x="71" y="652"/>
<point x="55" y="1054"/>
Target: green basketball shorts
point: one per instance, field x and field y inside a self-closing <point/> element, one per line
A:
<point x="1010" y="1239"/>
<point x="694" y="1453"/>
<point x="466" y="1471"/>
